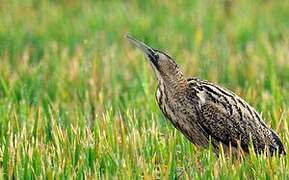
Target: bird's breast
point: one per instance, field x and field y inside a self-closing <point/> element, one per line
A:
<point x="181" y="114"/>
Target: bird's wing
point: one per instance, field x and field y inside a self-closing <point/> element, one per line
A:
<point x="223" y="128"/>
<point x="230" y="120"/>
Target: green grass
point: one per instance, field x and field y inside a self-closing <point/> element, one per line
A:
<point x="76" y="100"/>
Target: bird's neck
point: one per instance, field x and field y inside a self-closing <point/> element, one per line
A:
<point x="173" y="84"/>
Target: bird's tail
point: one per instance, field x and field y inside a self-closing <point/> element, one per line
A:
<point x="279" y="148"/>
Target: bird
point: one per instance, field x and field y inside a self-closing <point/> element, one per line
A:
<point x="205" y="113"/>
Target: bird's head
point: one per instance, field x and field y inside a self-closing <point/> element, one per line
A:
<point x="164" y="66"/>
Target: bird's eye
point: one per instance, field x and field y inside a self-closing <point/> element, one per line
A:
<point x="156" y="56"/>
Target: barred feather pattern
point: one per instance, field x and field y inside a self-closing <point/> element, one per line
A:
<point x="206" y="113"/>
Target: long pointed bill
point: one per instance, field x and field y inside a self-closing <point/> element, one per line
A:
<point x="143" y="47"/>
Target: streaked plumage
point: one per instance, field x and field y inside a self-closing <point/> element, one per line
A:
<point x="207" y="113"/>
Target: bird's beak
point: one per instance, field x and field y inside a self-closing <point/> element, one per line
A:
<point x="151" y="54"/>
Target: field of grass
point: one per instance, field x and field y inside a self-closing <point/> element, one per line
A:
<point x="76" y="100"/>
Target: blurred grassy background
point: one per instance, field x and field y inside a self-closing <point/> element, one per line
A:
<point x="76" y="99"/>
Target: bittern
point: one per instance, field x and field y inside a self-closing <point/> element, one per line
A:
<point x="207" y="113"/>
